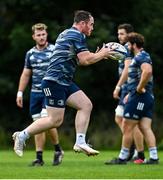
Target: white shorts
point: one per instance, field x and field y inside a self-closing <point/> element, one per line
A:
<point x="119" y="110"/>
<point x="42" y="114"/>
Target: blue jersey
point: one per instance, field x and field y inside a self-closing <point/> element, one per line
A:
<point x="121" y="66"/>
<point x="134" y="74"/>
<point x="38" y="61"/>
<point x="64" y="59"/>
<point x="122" y="61"/>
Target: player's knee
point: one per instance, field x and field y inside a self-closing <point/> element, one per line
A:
<point x="58" y="122"/>
<point x="126" y="128"/>
<point x="55" y="122"/>
<point x="118" y="120"/>
<point x="88" y="106"/>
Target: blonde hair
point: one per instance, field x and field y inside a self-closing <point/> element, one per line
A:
<point x="39" y="26"/>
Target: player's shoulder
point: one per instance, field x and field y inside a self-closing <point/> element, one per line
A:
<point x="51" y="46"/>
<point x="30" y="51"/>
<point x="127" y="49"/>
<point x="126" y="46"/>
<point x="73" y="32"/>
<point x="33" y="49"/>
<point x="143" y="56"/>
<point x="69" y="33"/>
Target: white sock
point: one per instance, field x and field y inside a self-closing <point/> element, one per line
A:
<point x="124" y="153"/>
<point x="135" y="153"/>
<point x="153" y="153"/>
<point x="24" y="135"/>
<point x="80" y="138"/>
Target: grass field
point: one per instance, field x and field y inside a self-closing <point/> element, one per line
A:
<point x="75" y="166"/>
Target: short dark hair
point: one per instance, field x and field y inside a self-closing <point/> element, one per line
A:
<point x="136" y="38"/>
<point x="81" y="15"/>
<point x="128" y="27"/>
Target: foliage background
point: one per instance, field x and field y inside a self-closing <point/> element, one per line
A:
<point x="98" y="80"/>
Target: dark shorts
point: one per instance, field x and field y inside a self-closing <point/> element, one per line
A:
<point x="139" y="106"/>
<point x="122" y="96"/>
<point x="37" y="102"/>
<point x="56" y="94"/>
<point x="123" y="93"/>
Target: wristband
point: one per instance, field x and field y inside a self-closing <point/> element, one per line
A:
<point x="19" y="94"/>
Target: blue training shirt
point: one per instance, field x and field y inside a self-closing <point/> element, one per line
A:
<point x="135" y="71"/>
<point x="38" y="61"/>
<point x="121" y="62"/>
<point x="121" y="65"/>
<point x="64" y="59"/>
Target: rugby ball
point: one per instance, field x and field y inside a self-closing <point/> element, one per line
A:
<point x="119" y="51"/>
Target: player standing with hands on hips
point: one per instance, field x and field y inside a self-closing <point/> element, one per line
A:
<point x="36" y="63"/>
<point x="121" y="91"/>
<point x="139" y="102"/>
<point x="59" y="88"/>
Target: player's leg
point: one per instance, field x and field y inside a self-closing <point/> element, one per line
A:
<point x="150" y="139"/>
<point x="55" y="109"/>
<point x="138" y="138"/>
<point x="58" y="152"/>
<point x="139" y="143"/>
<point x="127" y="139"/>
<point x="119" y="111"/>
<point x="36" y="100"/>
<point x="119" y="116"/>
<point x="79" y="101"/>
<point x="54" y="119"/>
<point x="128" y="126"/>
<point x="39" y="145"/>
<point x="145" y="126"/>
<point x="131" y="120"/>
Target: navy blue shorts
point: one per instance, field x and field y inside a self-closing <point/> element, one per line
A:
<point x="122" y="96"/>
<point x="123" y="93"/>
<point x="56" y="94"/>
<point x="139" y="106"/>
<point x="37" y="102"/>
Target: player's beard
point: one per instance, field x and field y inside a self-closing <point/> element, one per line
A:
<point x="42" y="45"/>
<point x="132" y="49"/>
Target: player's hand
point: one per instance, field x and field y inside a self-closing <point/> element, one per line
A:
<point x="111" y="54"/>
<point x="140" y="90"/>
<point x="97" y="50"/>
<point x="125" y="100"/>
<point x="104" y="51"/>
<point x="116" y="92"/>
<point x="19" y="101"/>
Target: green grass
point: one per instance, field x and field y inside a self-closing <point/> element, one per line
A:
<point x="75" y="166"/>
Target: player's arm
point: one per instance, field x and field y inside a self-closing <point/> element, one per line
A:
<point x="87" y="58"/>
<point x="122" y="79"/>
<point x="145" y="77"/>
<point x="23" y="82"/>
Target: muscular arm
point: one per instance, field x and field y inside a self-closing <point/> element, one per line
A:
<point x="87" y="58"/>
<point x="124" y="75"/>
<point x="23" y="82"/>
<point x="145" y="76"/>
<point x="24" y="79"/>
<point x="122" y="79"/>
